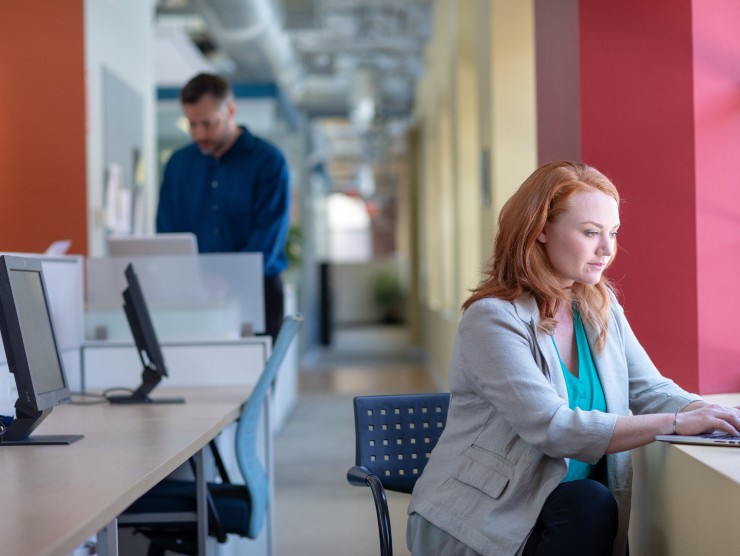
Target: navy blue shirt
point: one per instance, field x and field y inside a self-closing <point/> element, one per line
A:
<point x="239" y="202"/>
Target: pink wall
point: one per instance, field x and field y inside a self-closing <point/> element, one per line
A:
<point x="657" y="101"/>
<point x="716" y="57"/>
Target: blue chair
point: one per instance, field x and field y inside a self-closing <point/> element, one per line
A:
<point x="394" y="436"/>
<point x="233" y="508"/>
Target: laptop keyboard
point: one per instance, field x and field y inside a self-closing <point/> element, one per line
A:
<point x="723" y="437"/>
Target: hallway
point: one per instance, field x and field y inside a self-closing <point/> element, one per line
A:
<point x="317" y="512"/>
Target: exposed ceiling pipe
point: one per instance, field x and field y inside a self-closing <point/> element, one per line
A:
<point x="241" y="25"/>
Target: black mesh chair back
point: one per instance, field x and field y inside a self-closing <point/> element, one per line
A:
<point x="394" y="437"/>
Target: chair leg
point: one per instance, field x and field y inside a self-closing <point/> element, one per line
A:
<point x="383" y="515"/>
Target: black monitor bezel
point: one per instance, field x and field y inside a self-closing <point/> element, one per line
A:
<point x="28" y="398"/>
<point x="31" y="407"/>
<point x="146" y="342"/>
<point x="140" y="322"/>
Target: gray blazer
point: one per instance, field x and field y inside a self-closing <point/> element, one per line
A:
<point x="510" y="432"/>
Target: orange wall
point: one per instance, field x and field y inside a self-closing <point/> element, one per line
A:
<point x="42" y="125"/>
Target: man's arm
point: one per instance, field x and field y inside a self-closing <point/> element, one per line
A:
<point x="272" y="215"/>
<point x="166" y="204"/>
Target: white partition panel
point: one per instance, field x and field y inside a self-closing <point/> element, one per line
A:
<point x="213" y="296"/>
<point x="117" y="364"/>
<point x="64" y="287"/>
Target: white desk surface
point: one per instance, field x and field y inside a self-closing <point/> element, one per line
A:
<point x="723" y="460"/>
<point x="55" y="497"/>
<point x="686" y="498"/>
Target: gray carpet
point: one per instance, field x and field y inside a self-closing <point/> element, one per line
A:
<point x="317" y="512"/>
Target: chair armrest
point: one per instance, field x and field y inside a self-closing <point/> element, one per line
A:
<point x="358" y="476"/>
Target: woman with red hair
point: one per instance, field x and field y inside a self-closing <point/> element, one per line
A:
<point x="550" y="389"/>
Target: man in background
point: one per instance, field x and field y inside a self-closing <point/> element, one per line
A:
<point x="229" y="187"/>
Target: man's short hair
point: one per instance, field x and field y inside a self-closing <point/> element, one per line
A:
<point x="205" y="84"/>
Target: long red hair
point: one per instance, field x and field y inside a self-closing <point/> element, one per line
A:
<point x="520" y="263"/>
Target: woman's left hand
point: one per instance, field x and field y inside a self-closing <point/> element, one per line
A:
<point x="708" y="417"/>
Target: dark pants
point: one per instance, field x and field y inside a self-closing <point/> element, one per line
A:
<point x="274" y="305"/>
<point x="578" y="518"/>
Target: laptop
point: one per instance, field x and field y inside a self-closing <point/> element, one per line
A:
<point x="167" y="265"/>
<point x="158" y="244"/>
<point x="716" y="438"/>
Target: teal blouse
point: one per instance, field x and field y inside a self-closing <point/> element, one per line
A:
<point x="584" y="391"/>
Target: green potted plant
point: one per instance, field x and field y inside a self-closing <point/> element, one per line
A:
<point x="389" y="296"/>
<point x="294" y="245"/>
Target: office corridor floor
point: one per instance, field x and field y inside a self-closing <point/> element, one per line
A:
<point x="317" y="512"/>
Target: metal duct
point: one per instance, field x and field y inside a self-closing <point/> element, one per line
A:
<point x="242" y="25"/>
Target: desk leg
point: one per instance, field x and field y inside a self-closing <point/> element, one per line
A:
<point x="202" y="505"/>
<point x="108" y="539"/>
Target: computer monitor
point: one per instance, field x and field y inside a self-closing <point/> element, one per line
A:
<point x="147" y="345"/>
<point x="31" y="351"/>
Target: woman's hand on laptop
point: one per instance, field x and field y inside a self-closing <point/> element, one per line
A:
<point x="708" y="417"/>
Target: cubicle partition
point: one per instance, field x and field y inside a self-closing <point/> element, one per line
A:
<point x="208" y="312"/>
<point x="214" y="296"/>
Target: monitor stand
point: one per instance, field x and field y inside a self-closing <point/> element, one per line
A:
<point x="44" y="440"/>
<point x="149" y="380"/>
<point x="134" y="399"/>
<point x="18" y="432"/>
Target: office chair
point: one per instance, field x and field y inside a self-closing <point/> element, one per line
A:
<point x="394" y="436"/>
<point x="232" y="508"/>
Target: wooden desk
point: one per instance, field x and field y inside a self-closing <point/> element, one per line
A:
<point x="55" y="497"/>
<point x="686" y="499"/>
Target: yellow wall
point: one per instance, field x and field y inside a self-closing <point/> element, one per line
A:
<point x="477" y="99"/>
